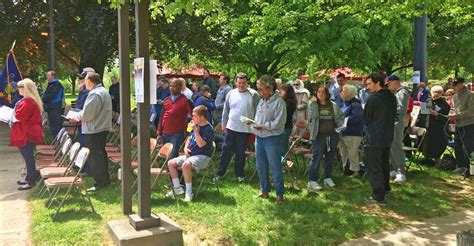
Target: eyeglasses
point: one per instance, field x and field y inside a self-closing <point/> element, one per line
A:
<point x="297" y="84"/>
<point x="449" y="94"/>
<point x="21" y="86"/>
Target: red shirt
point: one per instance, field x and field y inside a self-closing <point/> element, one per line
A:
<point x="29" y="127"/>
<point x="174" y="114"/>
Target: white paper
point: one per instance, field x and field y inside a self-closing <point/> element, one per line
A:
<point x="6" y="114"/>
<point x="437" y="108"/>
<point x="246" y="120"/>
<point x="71" y="114"/>
<point x="344" y="125"/>
<point x="138" y="67"/>
<point x="153" y="73"/>
<point x="416" y="77"/>
<point x="424" y="108"/>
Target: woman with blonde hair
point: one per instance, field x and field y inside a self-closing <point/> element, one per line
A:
<point x="26" y="129"/>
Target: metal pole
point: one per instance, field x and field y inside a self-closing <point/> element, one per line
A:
<point x="420" y="42"/>
<point x="52" y="62"/>
<point x="125" y="124"/>
<point x="144" y="185"/>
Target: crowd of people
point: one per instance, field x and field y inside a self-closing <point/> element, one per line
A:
<point x="340" y="117"/>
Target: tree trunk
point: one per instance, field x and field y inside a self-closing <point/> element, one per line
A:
<point x="73" y="84"/>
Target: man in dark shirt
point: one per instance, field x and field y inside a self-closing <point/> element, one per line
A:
<point x="378" y="118"/>
<point x="114" y="91"/>
<point x="53" y="102"/>
<point x="209" y="81"/>
<point x="198" y="152"/>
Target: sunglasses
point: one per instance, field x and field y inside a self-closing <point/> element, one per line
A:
<point x="21" y="86"/>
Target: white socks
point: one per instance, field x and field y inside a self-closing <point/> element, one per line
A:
<point x="189" y="188"/>
<point x="175" y="183"/>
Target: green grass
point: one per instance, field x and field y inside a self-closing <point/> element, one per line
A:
<point x="235" y="216"/>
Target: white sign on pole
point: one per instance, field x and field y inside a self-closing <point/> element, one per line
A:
<point x="416" y="77"/>
<point x="138" y="67"/>
<point x="153" y="74"/>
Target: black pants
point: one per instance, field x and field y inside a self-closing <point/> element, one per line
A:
<point x="31" y="173"/>
<point x="98" y="157"/>
<point x="234" y="142"/>
<point x="463" y="145"/>
<point x="55" y="120"/>
<point x="376" y="164"/>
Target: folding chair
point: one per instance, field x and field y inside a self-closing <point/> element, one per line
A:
<point x="300" y="136"/>
<point x="62" y="169"/>
<point x="54" y="144"/>
<point x="416" y="133"/>
<point x="164" y="153"/>
<point x="58" y="160"/>
<point x="76" y="182"/>
<point x="208" y="172"/>
<point x="51" y="154"/>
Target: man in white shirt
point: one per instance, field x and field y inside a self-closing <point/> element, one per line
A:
<point x="241" y="101"/>
<point x="188" y="93"/>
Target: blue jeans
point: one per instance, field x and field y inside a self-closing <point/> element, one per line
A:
<point x="31" y="173"/>
<point x="268" y="154"/>
<point x="320" y="148"/>
<point x="234" y="142"/>
<point x="176" y="139"/>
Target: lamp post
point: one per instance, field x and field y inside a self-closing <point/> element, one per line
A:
<point x="51" y="60"/>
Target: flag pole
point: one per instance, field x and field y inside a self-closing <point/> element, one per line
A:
<point x="13" y="45"/>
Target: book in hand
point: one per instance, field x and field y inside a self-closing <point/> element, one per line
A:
<point x="71" y="114"/>
<point x="246" y="120"/>
<point x="6" y="113"/>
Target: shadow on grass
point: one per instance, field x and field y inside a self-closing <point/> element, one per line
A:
<point x="76" y="214"/>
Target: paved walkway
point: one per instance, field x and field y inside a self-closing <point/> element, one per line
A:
<point x="14" y="213"/>
<point x="436" y="231"/>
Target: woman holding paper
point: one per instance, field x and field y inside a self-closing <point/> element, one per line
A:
<point x="352" y="135"/>
<point x="324" y="118"/>
<point x="436" y="139"/>
<point x="27" y="129"/>
<point x="270" y="118"/>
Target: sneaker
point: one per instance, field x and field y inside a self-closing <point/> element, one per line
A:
<point x="217" y="179"/>
<point x="400" y="178"/>
<point x="177" y="191"/>
<point x="393" y="174"/>
<point x="240" y="179"/>
<point x="329" y="182"/>
<point x="21" y="182"/>
<point x="25" y="187"/>
<point x="371" y="200"/>
<point x="188" y="197"/>
<point x="460" y="170"/>
<point x="314" y="186"/>
<point x="92" y="189"/>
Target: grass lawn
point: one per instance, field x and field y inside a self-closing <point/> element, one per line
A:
<point x="235" y="216"/>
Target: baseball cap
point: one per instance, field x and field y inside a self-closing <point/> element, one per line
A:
<point x="84" y="72"/>
<point x="392" y="78"/>
<point x="459" y="81"/>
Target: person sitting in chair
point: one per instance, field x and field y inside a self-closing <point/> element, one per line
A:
<point x="198" y="151"/>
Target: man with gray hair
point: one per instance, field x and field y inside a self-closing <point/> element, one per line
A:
<point x="96" y="121"/>
<point x="397" y="155"/>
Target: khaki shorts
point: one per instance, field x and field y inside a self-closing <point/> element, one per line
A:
<point x="198" y="162"/>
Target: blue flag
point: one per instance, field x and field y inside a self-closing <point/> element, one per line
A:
<point x="10" y="75"/>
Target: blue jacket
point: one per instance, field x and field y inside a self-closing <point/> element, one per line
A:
<point x="352" y="109"/>
<point x="209" y="103"/>
<point x="53" y="95"/>
<point x="81" y="98"/>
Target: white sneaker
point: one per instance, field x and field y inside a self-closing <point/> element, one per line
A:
<point x="188" y="197"/>
<point x="393" y="174"/>
<point x="240" y="179"/>
<point x="314" y="186"/>
<point x="400" y="178"/>
<point x="329" y="182"/>
<point x="177" y="191"/>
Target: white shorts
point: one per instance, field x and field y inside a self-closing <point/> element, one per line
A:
<point x="198" y="162"/>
